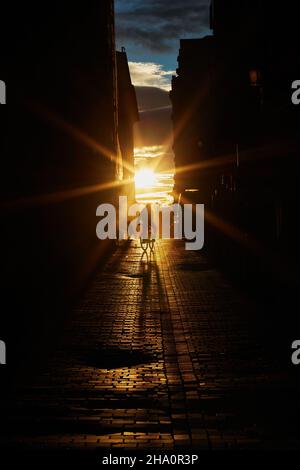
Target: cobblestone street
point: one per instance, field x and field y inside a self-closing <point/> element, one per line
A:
<point x="163" y="352"/>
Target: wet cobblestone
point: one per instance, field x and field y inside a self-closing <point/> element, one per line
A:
<point x="163" y="352"/>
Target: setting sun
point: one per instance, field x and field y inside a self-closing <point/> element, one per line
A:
<point x="145" y="178"/>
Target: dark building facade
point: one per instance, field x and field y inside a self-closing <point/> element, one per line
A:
<point x="128" y="115"/>
<point x="236" y="131"/>
<point x="60" y="155"/>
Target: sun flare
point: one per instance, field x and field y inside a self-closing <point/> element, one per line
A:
<point x="145" y="178"/>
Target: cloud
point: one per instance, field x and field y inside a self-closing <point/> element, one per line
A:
<point x="152" y="98"/>
<point x="158" y="24"/>
<point x="150" y="74"/>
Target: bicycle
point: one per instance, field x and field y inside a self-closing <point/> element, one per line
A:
<point x="147" y="243"/>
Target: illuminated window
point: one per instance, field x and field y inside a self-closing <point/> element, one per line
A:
<point x="255" y="77"/>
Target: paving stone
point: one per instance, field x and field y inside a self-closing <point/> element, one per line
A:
<point x="156" y="355"/>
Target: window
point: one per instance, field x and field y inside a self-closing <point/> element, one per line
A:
<point x="255" y="77"/>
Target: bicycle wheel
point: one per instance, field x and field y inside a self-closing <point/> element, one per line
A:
<point x="151" y="244"/>
<point x="144" y="244"/>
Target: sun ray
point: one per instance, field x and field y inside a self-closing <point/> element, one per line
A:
<point x="79" y="135"/>
<point x="59" y="196"/>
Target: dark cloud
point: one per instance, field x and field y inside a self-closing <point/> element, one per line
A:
<point x="152" y="98"/>
<point x="155" y="126"/>
<point x="156" y="24"/>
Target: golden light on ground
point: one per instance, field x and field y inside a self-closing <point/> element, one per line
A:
<point x="145" y="178"/>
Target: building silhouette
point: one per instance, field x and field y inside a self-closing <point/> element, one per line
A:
<point x="128" y="115"/>
<point x="63" y="139"/>
<point x="236" y="131"/>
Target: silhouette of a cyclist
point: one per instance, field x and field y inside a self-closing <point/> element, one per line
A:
<point x="148" y="242"/>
